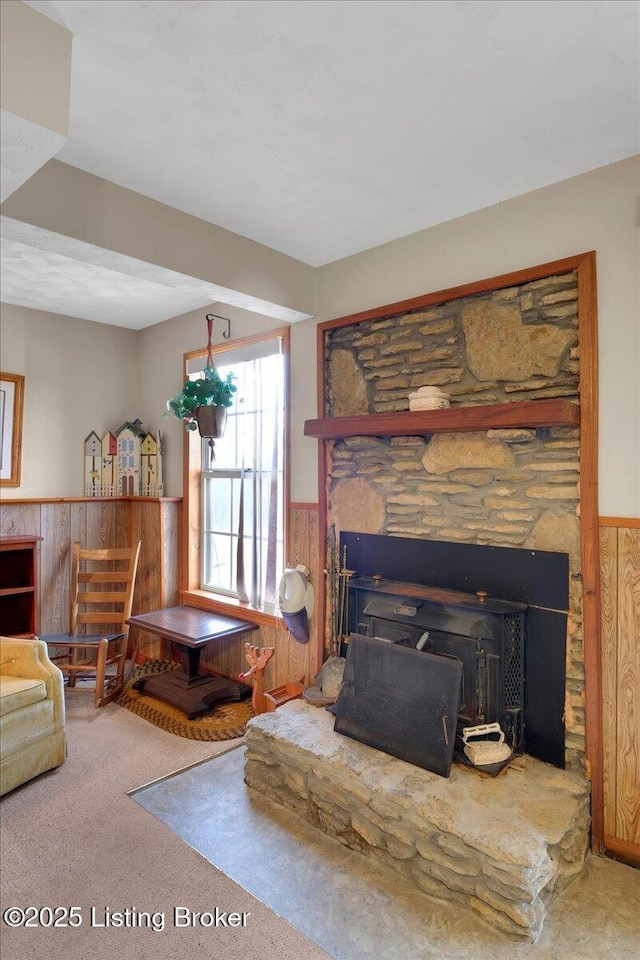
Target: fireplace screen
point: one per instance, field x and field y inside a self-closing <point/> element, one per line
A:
<point x="401" y="701"/>
<point x="484" y="635"/>
<point x="511" y="639"/>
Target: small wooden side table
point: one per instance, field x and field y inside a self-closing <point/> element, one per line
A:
<point x="191" y="630"/>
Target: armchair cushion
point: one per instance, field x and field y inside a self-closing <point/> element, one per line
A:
<point x="26" y="727"/>
<point x="32" y="716"/>
<point x="16" y="692"/>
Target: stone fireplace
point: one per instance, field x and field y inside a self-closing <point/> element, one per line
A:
<point x="510" y="488"/>
<point x="500" y="473"/>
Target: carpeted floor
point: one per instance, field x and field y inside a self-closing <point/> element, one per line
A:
<point x="73" y="837"/>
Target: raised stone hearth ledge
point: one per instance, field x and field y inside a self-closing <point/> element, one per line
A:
<point x="503" y="847"/>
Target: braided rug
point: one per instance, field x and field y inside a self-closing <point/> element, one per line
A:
<point x="226" y="721"/>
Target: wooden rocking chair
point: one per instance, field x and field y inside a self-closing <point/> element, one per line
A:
<point x="106" y="596"/>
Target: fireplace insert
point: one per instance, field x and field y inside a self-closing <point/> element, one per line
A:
<point x="486" y="636"/>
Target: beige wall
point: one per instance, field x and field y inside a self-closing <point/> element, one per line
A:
<point x="595" y="211"/>
<point x="79" y="376"/>
<point x="36" y="67"/>
<point x="83" y="376"/>
<point x="304" y="451"/>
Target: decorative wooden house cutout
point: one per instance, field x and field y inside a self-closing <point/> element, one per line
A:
<point x="109" y="464"/>
<point x="151" y="466"/>
<point x="92" y="465"/>
<point x="124" y="463"/>
<point x="129" y="437"/>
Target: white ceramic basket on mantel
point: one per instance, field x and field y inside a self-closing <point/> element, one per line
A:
<point x="429" y="398"/>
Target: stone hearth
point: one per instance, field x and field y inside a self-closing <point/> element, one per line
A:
<point x="503" y="847"/>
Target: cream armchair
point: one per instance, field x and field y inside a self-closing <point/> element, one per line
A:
<point x="32" y="736"/>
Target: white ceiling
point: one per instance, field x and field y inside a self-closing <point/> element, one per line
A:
<point x="325" y="127"/>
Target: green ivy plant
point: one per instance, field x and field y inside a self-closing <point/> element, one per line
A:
<point x="209" y="391"/>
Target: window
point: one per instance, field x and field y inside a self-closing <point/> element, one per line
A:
<point x="242" y="495"/>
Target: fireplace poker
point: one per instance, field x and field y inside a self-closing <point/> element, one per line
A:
<point x="333" y="586"/>
<point x="343" y="600"/>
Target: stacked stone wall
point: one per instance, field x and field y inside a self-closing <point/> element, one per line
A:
<point x="510" y="488"/>
<point x="516" y="343"/>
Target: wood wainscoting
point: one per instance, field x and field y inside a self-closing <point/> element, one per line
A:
<point x="620" y="591"/>
<point x="119" y="521"/>
<point x="96" y="523"/>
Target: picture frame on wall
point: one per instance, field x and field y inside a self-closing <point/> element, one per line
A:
<point x="11" y="403"/>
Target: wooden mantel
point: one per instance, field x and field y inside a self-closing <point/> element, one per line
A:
<point x="405" y="423"/>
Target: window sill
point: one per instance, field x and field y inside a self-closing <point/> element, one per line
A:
<point x="203" y="600"/>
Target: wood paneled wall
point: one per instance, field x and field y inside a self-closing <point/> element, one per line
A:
<point x="99" y="523"/>
<point x="119" y="521"/>
<point x="291" y="660"/>
<point x="620" y="591"/>
<point x="156" y="523"/>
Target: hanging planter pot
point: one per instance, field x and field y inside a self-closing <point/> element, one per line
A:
<point x="211" y="421"/>
<point x="202" y="404"/>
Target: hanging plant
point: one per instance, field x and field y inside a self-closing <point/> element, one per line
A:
<point x="202" y="404"/>
<point x="199" y="398"/>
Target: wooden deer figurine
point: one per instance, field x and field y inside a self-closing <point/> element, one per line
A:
<point x="257" y="658"/>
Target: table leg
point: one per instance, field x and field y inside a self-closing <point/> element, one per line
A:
<point x="190" y="660"/>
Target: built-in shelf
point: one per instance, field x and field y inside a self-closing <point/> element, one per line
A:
<point x="19" y="585"/>
<point x="405" y="423"/>
<point x="13" y="591"/>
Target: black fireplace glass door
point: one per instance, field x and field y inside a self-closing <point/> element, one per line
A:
<point x="401" y="701"/>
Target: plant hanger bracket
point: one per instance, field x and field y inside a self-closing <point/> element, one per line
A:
<point x="210" y="317"/>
